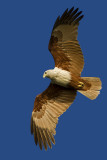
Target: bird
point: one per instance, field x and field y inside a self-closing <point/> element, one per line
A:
<point x="65" y="79"/>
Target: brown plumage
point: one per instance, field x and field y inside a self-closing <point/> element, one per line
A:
<point x="60" y="94"/>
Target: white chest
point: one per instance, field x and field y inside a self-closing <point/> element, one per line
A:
<point x="61" y="77"/>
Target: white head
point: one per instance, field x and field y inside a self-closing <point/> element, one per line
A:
<point x="48" y="74"/>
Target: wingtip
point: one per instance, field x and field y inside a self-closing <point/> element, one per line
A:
<point x="76" y="9"/>
<point x="65" y="11"/>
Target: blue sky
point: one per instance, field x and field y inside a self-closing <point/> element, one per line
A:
<point x="25" y="28"/>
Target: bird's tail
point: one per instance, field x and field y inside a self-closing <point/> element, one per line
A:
<point x="95" y="87"/>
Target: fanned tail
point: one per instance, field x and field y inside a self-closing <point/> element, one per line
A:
<point x="95" y="88"/>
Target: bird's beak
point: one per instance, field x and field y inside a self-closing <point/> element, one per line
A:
<point x="44" y="76"/>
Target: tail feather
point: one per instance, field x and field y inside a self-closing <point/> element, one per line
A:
<point x="95" y="88"/>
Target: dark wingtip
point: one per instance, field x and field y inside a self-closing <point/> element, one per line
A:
<point x="72" y="16"/>
<point x="70" y="11"/>
<point x="31" y="125"/>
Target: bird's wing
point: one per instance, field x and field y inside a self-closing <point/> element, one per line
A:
<point x="63" y="43"/>
<point x="48" y="106"/>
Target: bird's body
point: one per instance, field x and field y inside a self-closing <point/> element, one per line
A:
<point x="65" y="78"/>
<point x="59" y="76"/>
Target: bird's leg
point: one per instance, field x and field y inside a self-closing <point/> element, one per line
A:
<point x="80" y="84"/>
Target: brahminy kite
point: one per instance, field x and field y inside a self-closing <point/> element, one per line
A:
<point x="65" y="78"/>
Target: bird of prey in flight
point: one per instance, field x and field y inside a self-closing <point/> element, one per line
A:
<point x="65" y="78"/>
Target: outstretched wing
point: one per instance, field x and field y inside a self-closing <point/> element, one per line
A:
<point x="63" y="43"/>
<point x="48" y="106"/>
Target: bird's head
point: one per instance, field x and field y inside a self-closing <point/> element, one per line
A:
<point x="48" y="74"/>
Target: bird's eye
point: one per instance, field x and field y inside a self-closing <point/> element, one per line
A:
<point x="45" y="72"/>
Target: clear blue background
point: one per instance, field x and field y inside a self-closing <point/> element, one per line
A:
<point x="25" y="28"/>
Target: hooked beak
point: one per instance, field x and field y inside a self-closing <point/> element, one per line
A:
<point x="44" y="75"/>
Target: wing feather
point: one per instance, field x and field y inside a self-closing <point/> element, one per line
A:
<point x="51" y="136"/>
<point x="43" y="138"/>
<point x="48" y="106"/>
<point x="63" y="43"/>
<point x="31" y="125"/>
<point x="35" y="134"/>
<point x="39" y="137"/>
<point x="47" y="138"/>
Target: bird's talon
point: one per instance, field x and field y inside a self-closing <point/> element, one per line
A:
<point x="81" y="84"/>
